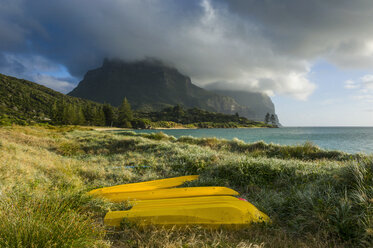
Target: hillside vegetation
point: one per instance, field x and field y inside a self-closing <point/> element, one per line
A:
<point x="315" y="198"/>
<point x="23" y="102"/>
<point x="195" y="118"/>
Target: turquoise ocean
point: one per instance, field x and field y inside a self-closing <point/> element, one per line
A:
<point x="347" y="139"/>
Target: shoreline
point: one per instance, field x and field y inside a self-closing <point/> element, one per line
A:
<point x="193" y="128"/>
<point x="110" y="128"/>
<point x="167" y="128"/>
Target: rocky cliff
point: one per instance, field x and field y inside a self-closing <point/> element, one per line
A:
<point x="150" y="85"/>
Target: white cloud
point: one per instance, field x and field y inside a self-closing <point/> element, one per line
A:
<point x="364" y="97"/>
<point x="367" y="81"/>
<point x="53" y="83"/>
<point x="349" y="84"/>
<point x="37" y="69"/>
<point x="364" y="85"/>
<point x="365" y="93"/>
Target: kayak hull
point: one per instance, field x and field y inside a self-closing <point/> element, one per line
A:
<point x="168" y="193"/>
<point x="145" y="186"/>
<point x="158" y="203"/>
<point x="217" y="211"/>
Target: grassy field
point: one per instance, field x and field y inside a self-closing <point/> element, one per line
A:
<point x="315" y="198"/>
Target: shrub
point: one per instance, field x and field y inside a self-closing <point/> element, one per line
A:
<point x="141" y="123"/>
<point x="69" y="148"/>
<point x="159" y="136"/>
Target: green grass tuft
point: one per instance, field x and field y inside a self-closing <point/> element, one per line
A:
<point x="46" y="221"/>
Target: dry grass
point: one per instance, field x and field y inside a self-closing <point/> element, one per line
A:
<point x="254" y="237"/>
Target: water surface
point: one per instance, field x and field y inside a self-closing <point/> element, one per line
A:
<point x="348" y="139"/>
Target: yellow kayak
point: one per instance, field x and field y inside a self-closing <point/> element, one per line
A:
<point x="160" y="203"/>
<point x="211" y="211"/>
<point x="168" y="193"/>
<point x="144" y="186"/>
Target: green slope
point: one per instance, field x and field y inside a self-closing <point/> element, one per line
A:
<point x="23" y="102"/>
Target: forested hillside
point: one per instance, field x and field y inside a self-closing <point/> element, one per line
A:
<point x="199" y="118"/>
<point x="23" y="102"/>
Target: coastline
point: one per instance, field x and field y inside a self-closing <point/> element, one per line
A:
<point x="167" y="128"/>
<point x="110" y="128"/>
<point x="192" y="128"/>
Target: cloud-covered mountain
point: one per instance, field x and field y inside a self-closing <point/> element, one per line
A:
<point x="152" y="85"/>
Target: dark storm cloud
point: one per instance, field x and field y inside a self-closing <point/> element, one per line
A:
<point x="307" y="29"/>
<point x="79" y="34"/>
<point x="262" y="45"/>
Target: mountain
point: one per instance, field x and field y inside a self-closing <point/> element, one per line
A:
<point x="149" y="85"/>
<point x="258" y="104"/>
<point x="23" y="102"/>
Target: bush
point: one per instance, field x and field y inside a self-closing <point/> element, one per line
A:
<point x="141" y="123"/>
<point x="69" y="148"/>
<point x="159" y="136"/>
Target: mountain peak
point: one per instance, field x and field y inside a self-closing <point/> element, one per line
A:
<point x="147" y="82"/>
<point x="148" y="62"/>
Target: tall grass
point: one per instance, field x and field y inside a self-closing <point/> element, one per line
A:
<point x="315" y="198"/>
<point x="46" y="221"/>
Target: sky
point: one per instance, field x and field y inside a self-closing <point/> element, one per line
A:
<point x="314" y="58"/>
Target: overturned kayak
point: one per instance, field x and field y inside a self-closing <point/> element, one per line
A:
<point x="145" y="186"/>
<point x="210" y="210"/>
<point x="158" y="203"/>
<point x="168" y="193"/>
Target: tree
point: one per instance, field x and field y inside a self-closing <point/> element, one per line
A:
<point x="125" y="115"/>
<point x="237" y="116"/>
<point x="55" y="115"/>
<point x="68" y="114"/>
<point x="267" y="118"/>
<point x="178" y="112"/>
<point x="109" y="115"/>
<point x="98" y="116"/>
<point x="88" y="114"/>
<point x="79" y="117"/>
<point x="273" y="119"/>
